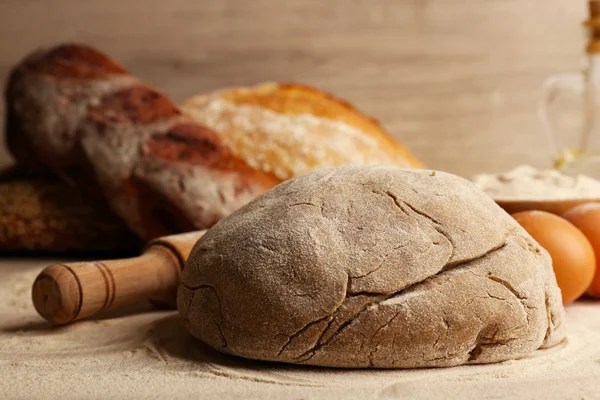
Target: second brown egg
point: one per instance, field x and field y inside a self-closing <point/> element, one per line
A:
<point x="573" y="257"/>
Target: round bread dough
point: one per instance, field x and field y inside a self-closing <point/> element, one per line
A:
<point x="372" y="267"/>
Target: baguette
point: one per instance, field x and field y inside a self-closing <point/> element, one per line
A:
<point x="75" y="111"/>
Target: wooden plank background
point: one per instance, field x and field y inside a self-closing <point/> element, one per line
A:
<point x="456" y="80"/>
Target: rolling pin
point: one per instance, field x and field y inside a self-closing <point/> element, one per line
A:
<point x="64" y="293"/>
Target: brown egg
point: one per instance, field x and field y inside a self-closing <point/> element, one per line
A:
<point x="572" y="254"/>
<point x="586" y="217"/>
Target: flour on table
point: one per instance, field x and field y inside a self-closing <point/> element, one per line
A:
<point x="150" y="355"/>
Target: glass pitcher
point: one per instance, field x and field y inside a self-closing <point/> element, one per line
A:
<point x="573" y="126"/>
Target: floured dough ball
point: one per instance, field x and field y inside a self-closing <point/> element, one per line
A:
<point x="372" y="267"/>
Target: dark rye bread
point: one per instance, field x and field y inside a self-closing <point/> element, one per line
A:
<point x="43" y="215"/>
<point x="74" y="111"/>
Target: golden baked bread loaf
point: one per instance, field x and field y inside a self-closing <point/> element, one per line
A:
<point x="292" y="129"/>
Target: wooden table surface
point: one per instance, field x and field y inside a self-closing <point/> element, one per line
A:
<point x="456" y="80"/>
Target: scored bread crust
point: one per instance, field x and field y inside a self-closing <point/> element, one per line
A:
<point x="294" y="99"/>
<point x="372" y="267"/>
<point x="73" y="110"/>
<point x="292" y="129"/>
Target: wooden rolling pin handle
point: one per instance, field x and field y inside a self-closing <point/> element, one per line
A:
<point x="63" y="293"/>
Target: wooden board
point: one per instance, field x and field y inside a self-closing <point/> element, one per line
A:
<point x="456" y="80"/>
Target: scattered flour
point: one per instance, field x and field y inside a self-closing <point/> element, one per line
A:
<point x="151" y="355"/>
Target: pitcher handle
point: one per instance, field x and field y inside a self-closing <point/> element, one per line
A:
<point x="552" y="87"/>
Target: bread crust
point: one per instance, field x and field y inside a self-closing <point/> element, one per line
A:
<point x="74" y="110"/>
<point x="294" y="99"/>
<point x="292" y="129"/>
